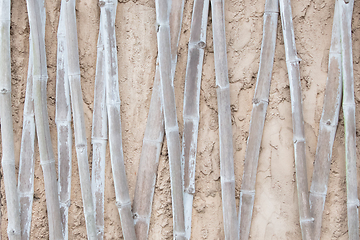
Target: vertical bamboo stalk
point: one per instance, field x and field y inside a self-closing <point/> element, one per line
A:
<point x="26" y="164"/>
<point x="35" y="7"/>
<point x="78" y="115"/>
<point x="346" y="10"/>
<point x="63" y="123"/>
<point x="123" y="202"/>
<point x="231" y="228"/>
<point x="328" y="125"/>
<point x="7" y="135"/>
<point x="260" y="103"/>
<point x="99" y="140"/>
<point x="292" y="62"/>
<point x="191" y="115"/>
<point x="171" y="125"/>
<point x="154" y="134"/>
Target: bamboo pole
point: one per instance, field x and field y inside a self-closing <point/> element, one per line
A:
<point x="231" y="228"/>
<point x="346" y="10"/>
<point x="328" y="125"/>
<point x="63" y="124"/>
<point x="7" y="135"/>
<point x="41" y="117"/>
<point x="154" y="135"/>
<point x="123" y="202"/>
<point x="191" y="115"/>
<point x="292" y="62"/>
<point x="171" y="125"/>
<point x="260" y="103"/>
<point x="78" y="115"/>
<point x="99" y="140"/>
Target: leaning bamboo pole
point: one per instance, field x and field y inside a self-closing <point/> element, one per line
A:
<point x="7" y="135"/>
<point x="171" y="125"/>
<point x="99" y="140"/>
<point x="63" y="124"/>
<point x="292" y="62"/>
<point x="231" y="228"/>
<point x="35" y="7"/>
<point x="191" y="109"/>
<point x="123" y="202"/>
<point x="78" y="115"/>
<point x="260" y="103"/>
<point x="327" y="130"/>
<point x="154" y="135"/>
<point x="346" y="10"/>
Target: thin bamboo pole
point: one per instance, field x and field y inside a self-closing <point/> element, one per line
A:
<point x="171" y="125"/>
<point x="99" y="140"/>
<point x="41" y="117"/>
<point x="78" y="115"/>
<point x="346" y="10"/>
<point x="328" y="125"/>
<point x="260" y="103"/>
<point x="123" y="202"/>
<point x="231" y="227"/>
<point x="63" y="123"/>
<point x="7" y="135"/>
<point x="154" y="135"/>
<point x="191" y="115"/>
<point x="292" y="62"/>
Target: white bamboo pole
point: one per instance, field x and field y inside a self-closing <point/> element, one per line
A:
<point x="41" y="117"/>
<point x="7" y="135"/>
<point x="292" y="62"/>
<point x="78" y="115"/>
<point x="191" y="115"/>
<point x="260" y="103"/>
<point x="327" y="130"/>
<point x="63" y="123"/>
<point x="346" y="10"/>
<point x="123" y="202"/>
<point x="154" y="135"/>
<point x="171" y="125"/>
<point x="99" y="140"/>
<point x="231" y="226"/>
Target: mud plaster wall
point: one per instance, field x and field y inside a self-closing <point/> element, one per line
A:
<point x="276" y="211"/>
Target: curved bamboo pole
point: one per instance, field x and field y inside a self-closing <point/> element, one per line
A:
<point x="328" y="125"/>
<point x="346" y="10"/>
<point x="63" y="124"/>
<point x="7" y="135"/>
<point x="78" y="115"/>
<point x="171" y="125"/>
<point x="154" y="135"/>
<point x="191" y="110"/>
<point x="123" y="202"/>
<point x="292" y="62"/>
<point x="231" y="227"/>
<point x="99" y="140"/>
<point x="41" y="117"/>
<point x="260" y="103"/>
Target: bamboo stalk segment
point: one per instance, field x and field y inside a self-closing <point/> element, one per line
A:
<point x="35" y="8"/>
<point x="63" y="123"/>
<point x="346" y="10"/>
<point x="260" y="103"/>
<point x="123" y="202"/>
<point x="78" y="115"/>
<point x="7" y="135"/>
<point x="292" y="62"/>
<point x="154" y="135"/>
<point x="231" y="228"/>
<point x="327" y="130"/>
<point x="99" y="141"/>
<point x="171" y="125"/>
<point x="191" y="115"/>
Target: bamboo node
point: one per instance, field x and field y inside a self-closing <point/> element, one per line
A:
<point x="307" y="220"/>
<point x="81" y="147"/>
<point x="353" y="203"/>
<point x="4" y="91"/>
<point x="190" y="190"/>
<point x="321" y="194"/>
<point x="248" y="192"/>
<point x="257" y="101"/>
<point x="65" y="204"/>
<point x="44" y="163"/>
<point x="294" y="60"/>
<point x="121" y="205"/>
<point x="300" y="140"/>
<point x="98" y="140"/>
